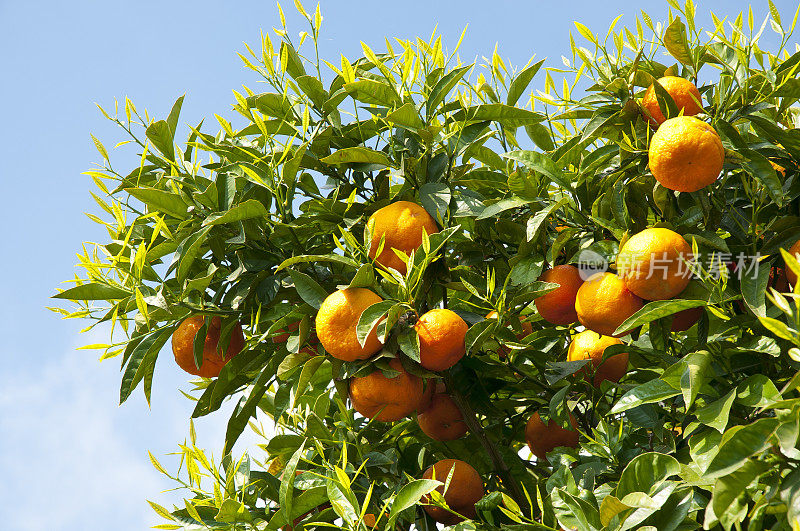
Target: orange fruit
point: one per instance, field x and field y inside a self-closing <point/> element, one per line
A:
<point x="463" y="491"/>
<point x="369" y="520"/>
<point x="685" y="319"/>
<point x="604" y="302"/>
<point x="387" y="399"/>
<point x="778" y="168"/>
<point x="213" y="360"/>
<point x="791" y="276"/>
<point x="591" y="345"/>
<point x="441" y="420"/>
<point x="683" y="92"/>
<point x="543" y="438"/>
<point x="527" y="329"/>
<point x="401" y="225"/>
<point x="558" y="306"/>
<point x="686" y="154"/>
<point x="441" y="339"/>
<point x="337" y="320"/>
<point x="652" y="263"/>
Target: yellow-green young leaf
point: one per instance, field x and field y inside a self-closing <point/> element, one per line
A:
<point x="100" y="147"/>
<point x="676" y="42"/>
<point x="156" y="464"/>
<point x="160" y="511"/>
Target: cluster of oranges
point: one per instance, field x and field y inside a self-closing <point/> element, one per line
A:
<point x="685" y="155"/>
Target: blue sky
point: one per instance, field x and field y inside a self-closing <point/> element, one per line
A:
<point x="70" y="458"/>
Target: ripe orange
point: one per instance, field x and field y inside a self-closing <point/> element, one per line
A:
<point x="558" y="306"/>
<point x="604" y="302"/>
<point x="441" y="420"/>
<point x="652" y="263"/>
<point x="543" y="438"/>
<point x="791" y="276"/>
<point x="463" y="491"/>
<point x="686" y="154"/>
<point x="527" y="329"/>
<point x="591" y="345"/>
<point x="387" y="399"/>
<point x="401" y="225"/>
<point x="441" y="339"/>
<point x="337" y="320"/>
<point x="682" y="91"/>
<point x="213" y="361"/>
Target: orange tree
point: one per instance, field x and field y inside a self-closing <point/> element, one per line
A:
<point x="307" y="292"/>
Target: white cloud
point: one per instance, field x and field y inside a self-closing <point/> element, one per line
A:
<point x="70" y="458"/>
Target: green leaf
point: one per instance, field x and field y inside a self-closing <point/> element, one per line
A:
<point x="656" y="310"/>
<point x="611" y="507"/>
<point x="741" y="443"/>
<point x="357" y="154"/>
<point x="521" y="82"/>
<point x="759" y="167"/>
<point x="443" y="87"/>
<point x="728" y="488"/>
<point x="188" y="251"/>
<point x="501" y="206"/>
<point x="369" y="319"/>
<point x="317" y="258"/>
<point x="291" y="60"/>
<point x="364" y="277"/>
<point x="303" y="503"/>
<point x="312" y="87"/>
<point x="410" y="495"/>
<point x="512" y="117"/>
<point x="308" y="371"/>
<point x="174" y="114"/>
<point x="645" y="473"/>
<point x="161" y="201"/>
<point x="693" y="376"/>
<point x="716" y="413"/>
<point x="233" y="511"/>
<point x="141" y="360"/>
<point x="373" y="92"/>
<point x="540" y="135"/>
<point x="245" y="410"/>
<point x="646" y="393"/>
<point x="435" y="198"/>
<point x="779" y="328"/>
<point x="408" y="341"/>
<point x="161" y="135"/>
<point x="286" y="490"/>
<point x="308" y="289"/>
<point x="757" y="391"/>
<point x="542" y="163"/>
<point x="246" y="210"/>
<point x="536" y="222"/>
<point x="93" y="291"/>
<point x="270" y="104"/>
<point x="406" y="117"/>
<point x="676" y="42"/>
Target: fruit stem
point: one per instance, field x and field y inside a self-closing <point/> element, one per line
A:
<point x="474" y="425"/>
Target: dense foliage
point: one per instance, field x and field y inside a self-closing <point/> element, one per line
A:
<point x="259" y="223"/>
